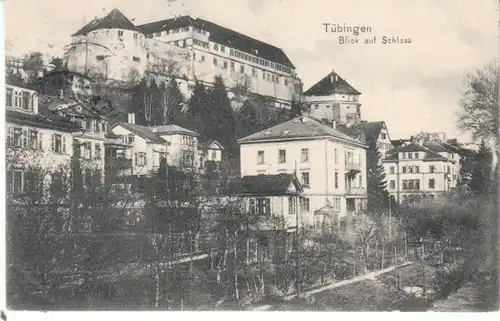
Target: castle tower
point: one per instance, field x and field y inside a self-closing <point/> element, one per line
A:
<point x="111" y="46"/>
<point x="334" y="99"/>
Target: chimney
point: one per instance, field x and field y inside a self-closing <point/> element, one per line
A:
<point x="334" y="124"/>
<point x="131" y="118"/>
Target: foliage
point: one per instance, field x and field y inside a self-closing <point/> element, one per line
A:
<point x="481" y="180"/>
<point x="377" y="196"/>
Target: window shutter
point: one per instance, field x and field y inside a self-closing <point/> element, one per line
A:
<point x="63" y="144"/>
<point x="40" y="141"/>
<point x="268" y="206"/>
<point x="145" y="159"/>
<point x="135" y="158"/>
<point x="252" y="206"/>
<point x="53" y="142"/>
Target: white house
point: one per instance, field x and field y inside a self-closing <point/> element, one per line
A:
<point x="210" y="151"/>
<point x="195" y="49"/>
<point x="151" y="144"/>
<point x="276" y="200"/>
<point x="36" y="140"/>
<point x="415" y="171"/>
<point x="330" y="164"/>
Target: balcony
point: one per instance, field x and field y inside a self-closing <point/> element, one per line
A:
<point x="352" y="167"/>
<point x="355" y="192"/>
<point x="114" y="164"/>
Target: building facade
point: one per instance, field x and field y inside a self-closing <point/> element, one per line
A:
<point x="333" y="99"/>
<point x="190" y="49"/>
<point x="417" y="171"/>
<point x="36" y="141"/>
<point x="330" y="165"/>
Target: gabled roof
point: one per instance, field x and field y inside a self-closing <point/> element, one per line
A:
<point x="113" y="20"/>
<point x="48" y="121"/>
<point x="438" y="147"/>
<point x="430" y="155"/>
<point x="143" y="131"/>
<point x="223" y="36"/>
<point x="331" y="84"/>
<point x="299" y="127"/>
<point x="172" y="129"/>
<point x="364" y="131"/>
<point x="266" y="185"/>
<point x="207" y="143"/>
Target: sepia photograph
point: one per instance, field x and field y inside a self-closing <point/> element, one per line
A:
<point x="251" y="155"/>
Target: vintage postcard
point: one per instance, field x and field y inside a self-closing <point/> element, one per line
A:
<point x="250" y="155"/>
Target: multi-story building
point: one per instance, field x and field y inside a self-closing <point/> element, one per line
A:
<point x="88" y="143"/>
<point x="415" y="171"/>
<point x="151" y="144"/>
<point x="36" y="140"/>
<point x="190" y="49"/>
<point x="334" y="99"/>
<point x="330" y="164"/>
<point x="366" y="131"/>
<point x="276" y="200"/>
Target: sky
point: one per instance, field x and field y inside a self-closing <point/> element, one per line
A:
<point x="413" y="87"/>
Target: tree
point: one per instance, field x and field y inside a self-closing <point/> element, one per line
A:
<point x="221" y="118"/>
<point x="479" y="108"/>
<point x="249" y="123"/>
<point x="14" y="79"/>
<point x="33" y="65"/>
<point x="481" y="181"/>
<point x="377" y="198"/>
<point x="172" y="100"/>
<point x="297" y="108"/>
<point x="198" y="108"/>
<point x="58" y="63"/>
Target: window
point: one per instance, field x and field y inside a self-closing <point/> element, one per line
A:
<point x="432" y="168"/>
<point x="305" y="204"/>
<point x="417" y="184"/>
<point x="417" y="169"/>
<point x="225" y="65"/>
<point x="140" y="159"/>
<point x="202" y="58"/>
<point x="242" y="69"/>
<point x="86" y="150"/>
<point x="232" y="65"/>
<point x="260" y="157"/>
<point x="216" y="47"/>
<point x="136" y="59"/>
<point x="282" y="156"/>
<point x="8" y="97"/>
<point x="391" y="170"/>
<point x="336" y="204"/>
<point x="214" y="155"/>
<point x="33" y="139"/>
<point x="136" y="35"/>
<point x="263" y="75"/>
<point x="15" y="181"/>
<point x="263" y="206"/>
<point x="404" y="169"/>
<point x="410" y="169"/>
<point x="404" y="155"/>
<point x="18" y="137"/>
<point x="130" y="138"/>
<point x="410" y="156"/>
<point x="215" y="61"/>
<point x="58" y="144"/>
<point x="360" y="180"/>
<point x="254" y="72"/>
<point x="187" y="158"/>
<point x="416" y="155"/>
<point x="305" y="155"/>
<point x="432" y="183"/>
<point x="292" y="202"/>
<point x="448" y="169"/>
<point x="384" y="136"/>
<point x="158" y="34"/>
<point x="305" y="179"/>
<point x="97" y="151"/>
<point x="120" y="33"/>
<point x="405" y="184"/>
<point x="392" y="184"/>
<point x="222" y="48"/>
<point x="336" y="179"/>
<point x="286" y="82"/>
<point x="335" y="156"/>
